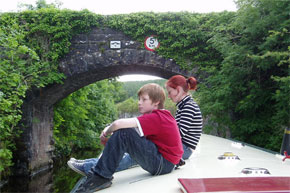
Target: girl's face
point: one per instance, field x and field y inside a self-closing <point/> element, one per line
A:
<point x="173" y="94"/>
<point x="146" y="105"/>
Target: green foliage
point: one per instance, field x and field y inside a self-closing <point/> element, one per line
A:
<point x="20" y="68"/>
<point x="80" y="117"/>
<point x="170" y="106"/>
<point x="128" y="108"/>
<point x="122" y="94"/>
<point x="49" y="32"/>
<point x="32" y="42"/>
<point x="249" y="91"/>
<point x="183" y="36"/>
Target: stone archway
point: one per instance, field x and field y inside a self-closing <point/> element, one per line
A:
<point x="90" y="59"/>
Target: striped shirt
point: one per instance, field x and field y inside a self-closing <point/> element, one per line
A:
<point x="189" y="120"/>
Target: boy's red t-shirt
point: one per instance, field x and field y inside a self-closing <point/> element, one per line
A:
<point x="161" y="128"/>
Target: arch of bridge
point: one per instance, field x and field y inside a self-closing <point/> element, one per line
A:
<point x="93" y="56"/>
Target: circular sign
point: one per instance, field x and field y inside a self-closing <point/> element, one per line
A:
<point x="151" y="43"/>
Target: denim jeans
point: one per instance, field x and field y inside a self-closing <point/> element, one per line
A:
<point x="140" y="149"/>
<point x="127" y="162"/>
<point x="187" y="152"/>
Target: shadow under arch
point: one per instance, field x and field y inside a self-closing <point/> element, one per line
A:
<point x="90" y="59"/>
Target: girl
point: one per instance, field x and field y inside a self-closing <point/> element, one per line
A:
<point x="188" y="115"/>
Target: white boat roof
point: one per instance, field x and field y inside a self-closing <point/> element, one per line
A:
<point x="204" y="163"/>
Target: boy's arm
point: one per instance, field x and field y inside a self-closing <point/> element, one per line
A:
<point x="120" y="124"/>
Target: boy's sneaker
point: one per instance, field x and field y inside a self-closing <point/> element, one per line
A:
<point x="94" y="183"/>
<point x="77" y="167"/>
<point x="77" y="160"/>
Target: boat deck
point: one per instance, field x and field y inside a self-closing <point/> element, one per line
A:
<point x="214" y="157"/>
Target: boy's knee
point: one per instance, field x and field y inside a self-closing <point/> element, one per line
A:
<point x="127" y="131"/>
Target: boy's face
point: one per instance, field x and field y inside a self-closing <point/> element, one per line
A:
<point x="146" y="105"/>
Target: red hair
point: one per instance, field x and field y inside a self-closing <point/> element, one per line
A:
<point x="178" y="80"/>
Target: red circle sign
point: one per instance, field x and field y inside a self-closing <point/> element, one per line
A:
<point x="151" y="43"/>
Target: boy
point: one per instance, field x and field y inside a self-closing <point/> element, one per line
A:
<point x="152" y="140"/>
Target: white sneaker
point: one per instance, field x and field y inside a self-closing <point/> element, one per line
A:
<point x="77" y="167"/>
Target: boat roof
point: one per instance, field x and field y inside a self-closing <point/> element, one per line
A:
<point x="214" y="157"/>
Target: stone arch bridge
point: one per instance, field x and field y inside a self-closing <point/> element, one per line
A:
<point x="92" y="57"/>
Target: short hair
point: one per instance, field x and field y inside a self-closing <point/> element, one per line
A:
<point x="155" y="92"/>
<point x="178" y="80"/>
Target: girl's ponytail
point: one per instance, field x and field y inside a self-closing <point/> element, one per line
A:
<point x="192" y="83"/>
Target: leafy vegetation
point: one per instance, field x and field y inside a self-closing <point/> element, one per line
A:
<point x="15" y="79"/>
<point x="183" y="36"/>
<point x="248" y="93"/>
<point x="80" y="117"/>
<point x="242" y="60"/>
<point x="32" y="42"/>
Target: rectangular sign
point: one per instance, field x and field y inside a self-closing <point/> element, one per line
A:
<point x="115" y="44"/>
<point x="235" y="184"/>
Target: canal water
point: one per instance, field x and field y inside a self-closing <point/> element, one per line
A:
<point x="59" y="179"/>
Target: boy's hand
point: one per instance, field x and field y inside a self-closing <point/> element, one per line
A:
<point x="103" y="138"/>
<point x="103" y="135"/>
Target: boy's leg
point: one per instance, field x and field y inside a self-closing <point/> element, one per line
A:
<point x="143" y="151"/>
<point x="89" y="164"/>
<point x="83" y="167"/>
<point x="140" y="149"/>
<point x="126" y="163"/>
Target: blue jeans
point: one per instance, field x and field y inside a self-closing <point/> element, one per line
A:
<point x="140" y="149"/>
<point x="127" y="162"/>
<point x="187" y="152"/>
